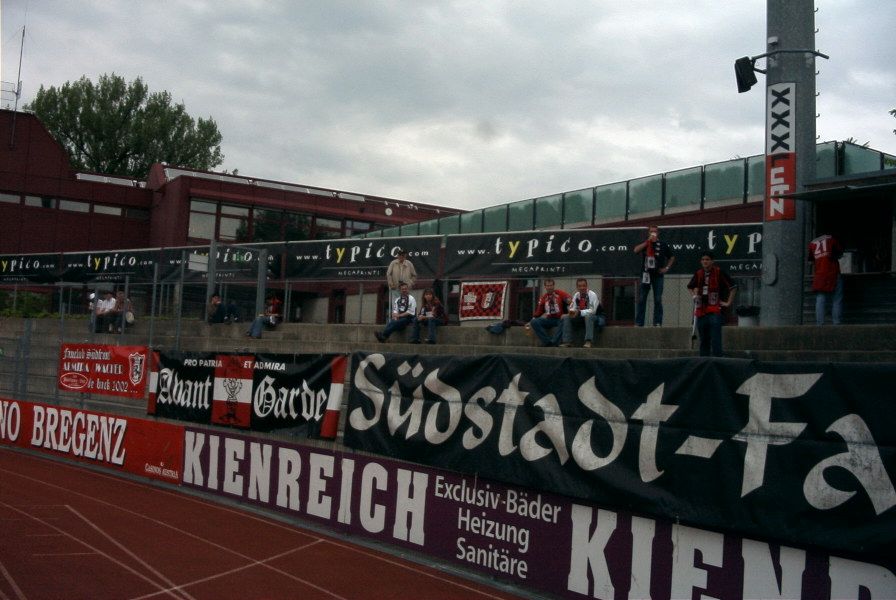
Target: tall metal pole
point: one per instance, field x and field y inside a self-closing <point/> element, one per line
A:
<point x="790" y="157"/>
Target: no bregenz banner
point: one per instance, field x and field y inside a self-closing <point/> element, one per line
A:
<point x="359" y="259"/>
<point x="799" y="452"/>
<point x="261" y="392"/>
<point x="610" y="252"/>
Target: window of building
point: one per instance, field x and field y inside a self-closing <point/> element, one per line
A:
<point x="520" y="215"/>
<point x="40" y="202"/>
<point x="203" y="217"/>
<point x="327" y="228"/>
<point x="354" y="227"/>
<point x="549" y="212"/>
<point x="10" y="198"/>
<point x="645" y="196"/>
<point x="296" y="226"/>
<point x="578" y="208"/>
<point x="102" y="209"/>
<point x="137" y="213"/>
<point x="684" y="190"/>
<point x="74" y="206"/>
<point x="233" y="225"/>
<point x="471" y="222"/>
<point x="610" y="203"/>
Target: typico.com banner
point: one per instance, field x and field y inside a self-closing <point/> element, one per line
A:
<point x="802" y="453"/>
<point x="540" y="541"/>
<point x="608" y="252"/>
<point x="261" y="392"/>
<point x="103" y="369"/>
<point x="134" y="446"/>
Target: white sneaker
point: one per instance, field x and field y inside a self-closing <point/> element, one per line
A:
<point x="587" y="344"/>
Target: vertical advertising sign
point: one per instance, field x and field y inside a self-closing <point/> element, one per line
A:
<point x="780" y="152"/>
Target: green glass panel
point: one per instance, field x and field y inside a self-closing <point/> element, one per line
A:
<point x="430" y="227"/>
<point x="645" y="196"/>
<point x="449" y="225"/>
<point x="825" y="160"/>
<point x="756" y="178"/>
<point x="520" y="215"/>
<point x="548" y="211"/>
<point x="857" y="159"/>
<point x="610" y="204"/>
<point x="494" y="219"/>
<point x="725" y="182"/>
<point x="683" y="189"/>
<point x="471" y="222"/>
<point x="391" y="231"/>
<point x="578" y="208"/>
<point x="409" y="229"/>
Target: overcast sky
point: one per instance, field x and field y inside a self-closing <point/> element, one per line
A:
<point x="462" y="103"/>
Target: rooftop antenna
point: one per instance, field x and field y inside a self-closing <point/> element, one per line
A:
<point x="17" y="92"/>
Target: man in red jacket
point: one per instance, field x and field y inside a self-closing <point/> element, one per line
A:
<point x="552" y="304"/>
<point x="827" y="284"/>
<point x="713" y="290"/>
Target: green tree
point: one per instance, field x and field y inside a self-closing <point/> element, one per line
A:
<point x="119" y="128"/>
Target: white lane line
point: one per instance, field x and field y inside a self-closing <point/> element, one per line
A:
<point x="12" y="583"/>
<point x="128" y="552"/>
<point x="262" y="563"/>
<point x="267" y="521"/>
<point x="87" y="545"/>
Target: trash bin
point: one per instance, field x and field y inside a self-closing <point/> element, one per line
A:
<point x="747" y="316"/>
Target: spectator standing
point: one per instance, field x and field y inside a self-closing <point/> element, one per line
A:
<point x="552" y="305"/>
<point x="430" y="313"/>
<point x="403" y="310"/>
<point x="825" y="251"/>
<point x="121" y="311"/>
<point x="269" y="319"/>
<point x="656" y="260"/>
<point x="584" y="308"/>
<point x="712" y="290"/>
<point x="400" y="270"/>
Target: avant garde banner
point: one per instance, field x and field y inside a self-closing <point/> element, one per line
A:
<point x="260" y="392"/>
<point x="103" y="369"/>
<point x="539" y="541"/>
<point x="360" y="259"/>
<point x="799" y="452"/>
<point x="571" y="252"/>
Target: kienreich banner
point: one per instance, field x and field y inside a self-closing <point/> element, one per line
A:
<point x="361" y="259"/>
<point x="798" y="452"/>
<point x="609" y="252"/>
<point x="262" y="392"/>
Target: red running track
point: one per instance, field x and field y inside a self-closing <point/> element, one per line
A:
<point x="67" y="532"/>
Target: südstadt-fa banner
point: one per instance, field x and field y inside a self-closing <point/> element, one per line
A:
<point x="802" y="453"/>
<point x="103" y="369"/>
<point x="261" y="392"/>
<point x="572" y="252"/>
<point x="360" y="259"/>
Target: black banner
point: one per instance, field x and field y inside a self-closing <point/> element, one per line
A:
<point x="801" y="453"/>
<point x="109" y="265"/>
<point x="260" y="392"/>
<point x="609" y="252"/>
<point x="232" y="263"/>
<point x="24" y="268"/>
<point x="360" y="259"/>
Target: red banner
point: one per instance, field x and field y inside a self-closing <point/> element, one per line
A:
<point x="103" y="369"/>
<point x="135" y="446"/>
<point x="232" y="396"/>
<point x="482" y="300"/>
